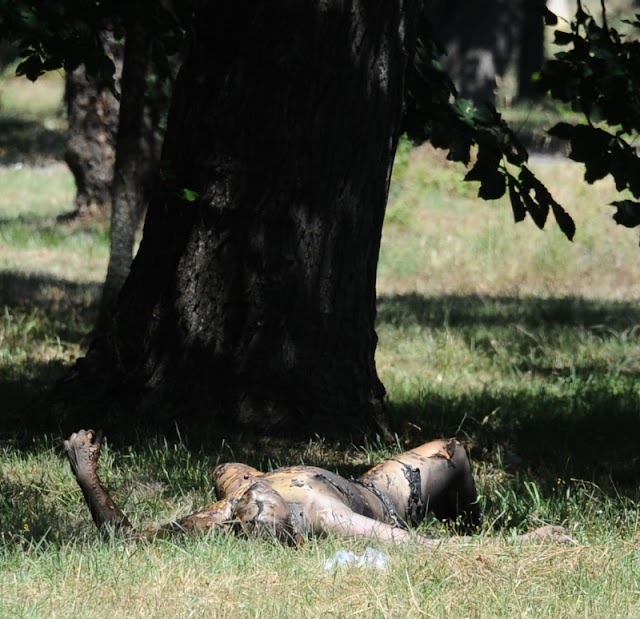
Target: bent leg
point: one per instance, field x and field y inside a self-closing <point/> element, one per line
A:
<point x="435" y="476"/>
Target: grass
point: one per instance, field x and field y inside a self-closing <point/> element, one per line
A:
<point x="32" y="124"/>
<point x="516" y="340"/>
<point x="53" y="565"/>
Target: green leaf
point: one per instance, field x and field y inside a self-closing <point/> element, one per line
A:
<point x="538" y="212"/>
<point x="596" y="168"/>
<point x="563" y="38"/>
<point x="492" y="187"/>
<point x="628" y="213"/>
<point x="519" y="211"/>
<point x="539" y="207"/>
<point x="189" y="195"/>
<point x="550" y="19"/>
<point x="564" y="131"/>
<point x="31" y="67"/>
<point x="564" y="220"/>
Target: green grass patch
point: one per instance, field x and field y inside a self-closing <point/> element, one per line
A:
<point x="52" y="561"/>
<point x="32" y="122"/>
<point x="27" y="193"/>
<point x="519" y="342"/>
<point x="33" y="243"/>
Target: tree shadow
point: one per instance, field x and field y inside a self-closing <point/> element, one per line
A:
<point x="474" y="310"/>
<point x="48" y="292"/>
<point x="589" y="435"/>
<point x="28" y="142"/>
<point x="579" y="421"/>
<point x="27" y="517"/>
<point x="38" y="307"/>
<point x="579" y="424"/>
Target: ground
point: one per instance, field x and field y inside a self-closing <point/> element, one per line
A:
<point x="519" y="342"/>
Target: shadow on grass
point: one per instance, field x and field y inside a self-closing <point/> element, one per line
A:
<point x="48" y="292"/>
<point x="28" y="517"/>
<point x="464" y="310"/>
<point x="582" y="425"/>
<point x="28" y="142"/>
<point x="39" y="312"/>
<point x="579" y="421"/>
<point x="591" y="433"/>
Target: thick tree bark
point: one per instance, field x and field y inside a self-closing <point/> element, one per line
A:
<point x="254" y="303"/>
<point x="92" y="112"/>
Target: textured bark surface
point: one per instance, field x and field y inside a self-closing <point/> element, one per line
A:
<point x="254" y="304"/>
<point x="92" y="112"/>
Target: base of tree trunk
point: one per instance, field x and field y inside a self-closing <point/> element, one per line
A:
<point x="251" y="303"/>
<point x="85" y="214"/>
<point x="84" y="397"/>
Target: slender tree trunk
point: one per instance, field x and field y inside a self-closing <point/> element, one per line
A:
<point x="531" y="48"/>
<point x="251" y="301"/>
<point x="92" y="112"/>
<point x="135" y="162"/>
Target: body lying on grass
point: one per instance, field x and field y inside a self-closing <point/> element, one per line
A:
<point x="291" y="503"/>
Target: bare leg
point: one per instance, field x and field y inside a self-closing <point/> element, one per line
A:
<point x="435" y="476"/>
<point x="346" y="523"/>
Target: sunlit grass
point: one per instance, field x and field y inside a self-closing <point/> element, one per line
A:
<point x="41" y="99"/>
<point x="53" y="564"/>
<point x="32" y="241"/>
<point x="519" y="342"/>
<point x="35" y="192"/>
<point x="442" y="239"/>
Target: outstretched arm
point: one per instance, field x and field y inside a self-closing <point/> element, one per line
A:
<point x="83" y="452"/>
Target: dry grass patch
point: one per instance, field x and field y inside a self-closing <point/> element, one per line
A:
<point x="237" y="578"/>
<point x="441" y="239"/>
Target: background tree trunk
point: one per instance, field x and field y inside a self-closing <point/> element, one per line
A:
<point x="92" y="112"/>
<point x="251" y="300"/>
<point x="531" y="48"/>
<point x="480" y="38"/>
<point x="135" y="163"/>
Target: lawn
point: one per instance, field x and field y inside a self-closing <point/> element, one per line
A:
<point x="513" y="339"/>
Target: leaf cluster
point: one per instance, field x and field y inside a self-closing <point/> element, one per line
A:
<point x="435" y="113"/>
<point x="598" y="73"/>
<point x="63" y="35"/>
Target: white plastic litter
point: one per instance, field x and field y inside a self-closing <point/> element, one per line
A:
<point x="371" y="558"/>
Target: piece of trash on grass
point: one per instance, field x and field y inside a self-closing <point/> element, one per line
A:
<point x="371" y="558"/>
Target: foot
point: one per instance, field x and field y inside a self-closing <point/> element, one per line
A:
<point x="83" y="450"/>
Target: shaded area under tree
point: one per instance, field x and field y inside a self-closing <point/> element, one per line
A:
<point x="588" y="433"/>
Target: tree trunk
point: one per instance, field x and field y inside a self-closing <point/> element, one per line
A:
<point x="251" y="301"/>
<point x="531" y="49"/>
<point x="480" y="38"/>
<point x="135" y="162"/>
<point x="92" y="112"/>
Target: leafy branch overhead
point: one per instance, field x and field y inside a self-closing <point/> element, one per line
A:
<point x="598" y="73"/>
<point x="436" y="114"/>
<point x="64" y="35"/>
